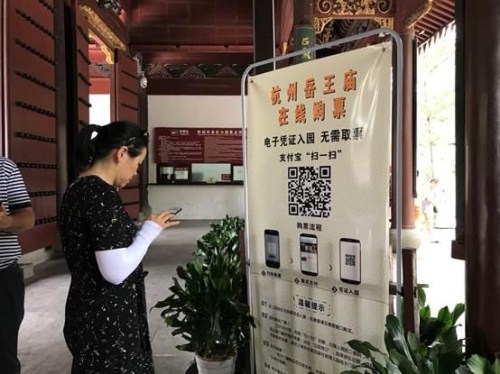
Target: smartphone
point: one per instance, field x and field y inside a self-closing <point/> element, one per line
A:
<point x="174" y="210"/>
<point x="309" y="254"/>
<point x="272" y="248"/>
<point x="350" y="261"/>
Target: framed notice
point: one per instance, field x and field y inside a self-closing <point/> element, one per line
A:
<point x="198" y="145"/>
<point x="198" y="155"/>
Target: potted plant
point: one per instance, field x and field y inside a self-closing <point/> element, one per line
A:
<point x="208" y="309"/>
<point x="435" y="349"/>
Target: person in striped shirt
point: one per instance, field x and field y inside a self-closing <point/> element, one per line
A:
<point x="16" y="215"/>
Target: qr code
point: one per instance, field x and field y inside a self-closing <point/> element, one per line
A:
<point x="350" y="260"/>
<point x="309" y="191"/>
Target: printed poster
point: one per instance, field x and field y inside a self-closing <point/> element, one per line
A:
<point x="318" y="137"/>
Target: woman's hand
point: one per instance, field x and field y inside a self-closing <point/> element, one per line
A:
<point x="163" y="219"/>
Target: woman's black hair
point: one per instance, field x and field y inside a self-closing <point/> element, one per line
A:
<point x="96" y="142"/>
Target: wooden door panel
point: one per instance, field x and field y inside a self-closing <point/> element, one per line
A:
<point x="30" y="122"/>
<point x="30" y="109"/>
<point x="83" y="62"/>
<point x="39" y="179"/>
<point x="39" y="95"/>
<point x="45" y="152"/>
<point x="127" y="108"/>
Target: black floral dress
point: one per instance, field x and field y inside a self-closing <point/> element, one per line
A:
<point x="106" y="326"/>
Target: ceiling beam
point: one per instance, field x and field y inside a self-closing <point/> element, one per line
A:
<point x="197" y="58"/>
<point x="195" y="54"/>
<point x="184" y="48"/>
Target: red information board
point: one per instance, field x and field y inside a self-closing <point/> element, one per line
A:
<point x="198" y="145"/>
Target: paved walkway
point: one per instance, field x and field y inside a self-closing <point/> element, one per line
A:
<point x="42" y="349"/>
<point x="444" y="275"/>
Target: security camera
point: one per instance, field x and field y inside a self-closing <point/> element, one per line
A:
<point x="143" y="82"/>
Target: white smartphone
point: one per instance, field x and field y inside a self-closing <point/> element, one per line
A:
<point x="350" y="260"/>
<point x="272" y="248"/>
<point x="309" y="254"/>
<point x="174" y="210"/>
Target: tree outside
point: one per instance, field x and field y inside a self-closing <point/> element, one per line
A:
<point x="436" y="129"/>
<point x="436" y="161"/>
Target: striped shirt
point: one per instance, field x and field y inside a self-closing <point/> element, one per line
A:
<point x="14" y="196"/>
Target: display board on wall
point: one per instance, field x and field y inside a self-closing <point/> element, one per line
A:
<point x="318" y="206"/>
<point x="198" y="145"/>
<point x="198" y="155"/>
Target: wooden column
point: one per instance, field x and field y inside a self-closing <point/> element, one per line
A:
<point x="263" y="33"/>
<point x="303" y="25"/>
<point x="408" y="219"/>
<point x="482" y="207"/>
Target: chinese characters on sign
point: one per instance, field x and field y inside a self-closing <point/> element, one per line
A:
<point x="282" y="330"/>
<point x="203" y="145"/>
<point x="331" y="105"/>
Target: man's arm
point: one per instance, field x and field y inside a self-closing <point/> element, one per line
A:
<point x="18" y="221"/>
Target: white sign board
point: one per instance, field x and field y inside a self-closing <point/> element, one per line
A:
<point x="318" y="144"/>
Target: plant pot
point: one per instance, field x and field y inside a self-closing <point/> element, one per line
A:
<point x="213" y="366"/>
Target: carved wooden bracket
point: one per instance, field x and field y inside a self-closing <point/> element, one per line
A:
<point x="104" y="32"/>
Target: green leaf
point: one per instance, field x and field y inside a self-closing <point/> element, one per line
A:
<point x="414" y="345"/>
<point x="182" y="273"/>
<point x="425" y="312"/>
<point x="391" y="368"/>
<point x="457" y="312"/>
<point x="185" y="347"/>
<point x="496" y="366"/>
<point x="444" y="315"/>
<point x="448" y="362"/>
<point x="362" y="347"/>
<point x="379" y="367"/>
<point x="462" y="370"/>
<point x="479" y="365"/>
<point x="421" y="297"/>
<point x="404" y="363"/>
<point x="430" y="329"/>
<point x="395" y="336"/>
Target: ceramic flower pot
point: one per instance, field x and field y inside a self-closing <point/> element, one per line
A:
<point x="211" y="366"/>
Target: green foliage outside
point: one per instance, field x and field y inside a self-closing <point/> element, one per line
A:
<point x="435" y="349"/>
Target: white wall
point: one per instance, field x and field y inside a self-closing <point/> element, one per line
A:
<point x="100" y="111"/>
<point x="198" y="202"/>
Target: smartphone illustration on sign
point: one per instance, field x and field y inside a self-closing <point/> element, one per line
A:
<point x="350" y="260"/>
<point x="272" y="248"/>
<point x="309" y="254"/>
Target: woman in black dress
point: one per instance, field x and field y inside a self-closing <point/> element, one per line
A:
<point x="106" y="326"/>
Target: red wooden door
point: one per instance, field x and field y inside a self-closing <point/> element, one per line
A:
<point x="30" y="110"/>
